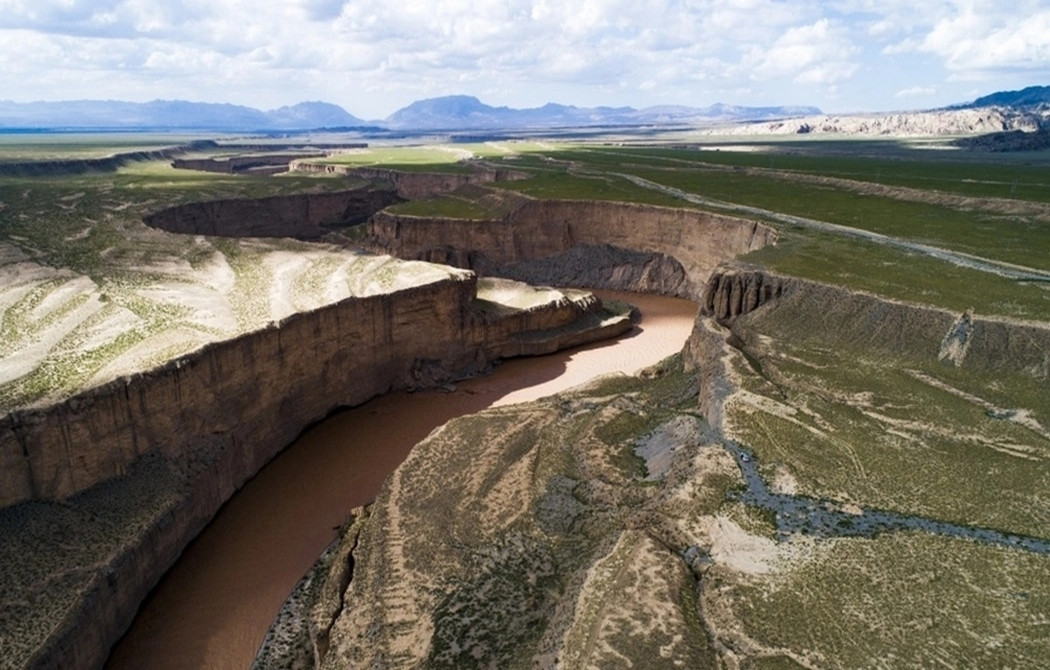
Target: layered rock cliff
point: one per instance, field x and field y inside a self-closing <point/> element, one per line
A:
<point x="304" y="216"/>
<point x="192" y="431"/>
<point x="803" y="310"/>
<point x="569" y="240"/>
<point x="413" y="185"/>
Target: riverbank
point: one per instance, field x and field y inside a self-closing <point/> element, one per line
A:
<point x="171" y="445"/>
<point x="214" y="607"/>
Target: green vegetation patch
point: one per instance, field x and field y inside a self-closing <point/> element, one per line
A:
<point x="910" y="600"/>
<point x="901" y="275"/>
<point x="559" y="185"/>
<point x="428" y="158"/>
<point x="1022" y="177"/>
<point x="468" y="202"/>
<point x="901" y="432"/>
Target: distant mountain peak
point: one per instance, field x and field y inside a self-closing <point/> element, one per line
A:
<point x="459" y="112"/>
<point x="1032" y="95"/>
<point x="172" y="114"/>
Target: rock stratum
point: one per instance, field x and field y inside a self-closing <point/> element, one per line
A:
<point x="579" y="243"/>
<point x="123" y="475"/>
<point x="605" y="527"/>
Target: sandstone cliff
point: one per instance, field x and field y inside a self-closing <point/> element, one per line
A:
<point x="544" y="229"/>
<point x="192" y="431"/>
<point x="413" y="185"/>
<point x="304" y="216"/>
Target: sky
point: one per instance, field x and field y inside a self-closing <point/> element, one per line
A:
<point x="374" y="56"/>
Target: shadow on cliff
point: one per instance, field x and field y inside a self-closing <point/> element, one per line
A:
<point x="333" y="466"/>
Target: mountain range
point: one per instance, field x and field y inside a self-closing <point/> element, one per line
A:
<point x="454" y="112"/>
<point x="170" y="115"/>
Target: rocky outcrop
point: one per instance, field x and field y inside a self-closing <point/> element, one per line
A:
<point x="101" y="164"/>
<point x="750" y="299"/>
<point x="544" y="229"/>
<point x="183" y="437"/>
<point x="413" y="185"/>
<point x="305" y="216"/>
<point x="261" y="163"/>
<point x="735" y="292"/>
<point x="1014" y="140"/>
<point x="943" y="123"/>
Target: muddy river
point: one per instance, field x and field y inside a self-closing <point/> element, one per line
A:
<point x="214" y="606"/>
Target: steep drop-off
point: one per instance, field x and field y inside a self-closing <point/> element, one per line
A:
<point x="304" y="216"/>
<point x="207" y="422"/>
<point x="529" y="240"/>
<point x="600" y="528"/>
<point x="805" y="310"/>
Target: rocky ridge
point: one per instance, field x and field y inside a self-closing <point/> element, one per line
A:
<point x="904" y="124"/>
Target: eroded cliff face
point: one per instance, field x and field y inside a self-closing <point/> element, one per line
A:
<point x="413" y="185"/>
<point x="596" y="528"/>
<point x="544" y="229"/>
<point x="750" y="300"/>
<point x="207" y="422"/>
<point x="304" y="216"/>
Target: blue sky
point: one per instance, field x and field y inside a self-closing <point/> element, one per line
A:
<point x="374" y="56"/>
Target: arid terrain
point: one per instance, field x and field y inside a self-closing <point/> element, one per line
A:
<point x="844" y="466"/>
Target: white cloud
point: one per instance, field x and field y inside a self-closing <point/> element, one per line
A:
<point x="915" y="91"/>
<point x="373" y="55"/>
<point x="818" y="53"/>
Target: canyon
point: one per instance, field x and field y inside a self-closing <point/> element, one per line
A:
<point x="567" y="552"/>
<point x="576" y="519"/>
<point x="193" y="430"/>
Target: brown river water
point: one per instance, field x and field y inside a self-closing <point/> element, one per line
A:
<point x="213" y="608"/>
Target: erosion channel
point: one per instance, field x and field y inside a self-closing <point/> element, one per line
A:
<point x="215" y="605"/>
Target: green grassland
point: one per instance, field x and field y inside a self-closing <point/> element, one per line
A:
<point x="446" y="158"/>
<point x="15" y="147"/>
<point x="897" y="600"/>
<point x="897" y="433"/>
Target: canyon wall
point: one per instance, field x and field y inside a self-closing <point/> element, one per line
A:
<point x="304" y="216"/>
<point x="413" y="185"/>
<point x="210" y="420"/>
<point x="254" y="393"/>
<point x="740" y="303"/>
<point x="44" y="168"/>
<point x="540" y="229"/>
